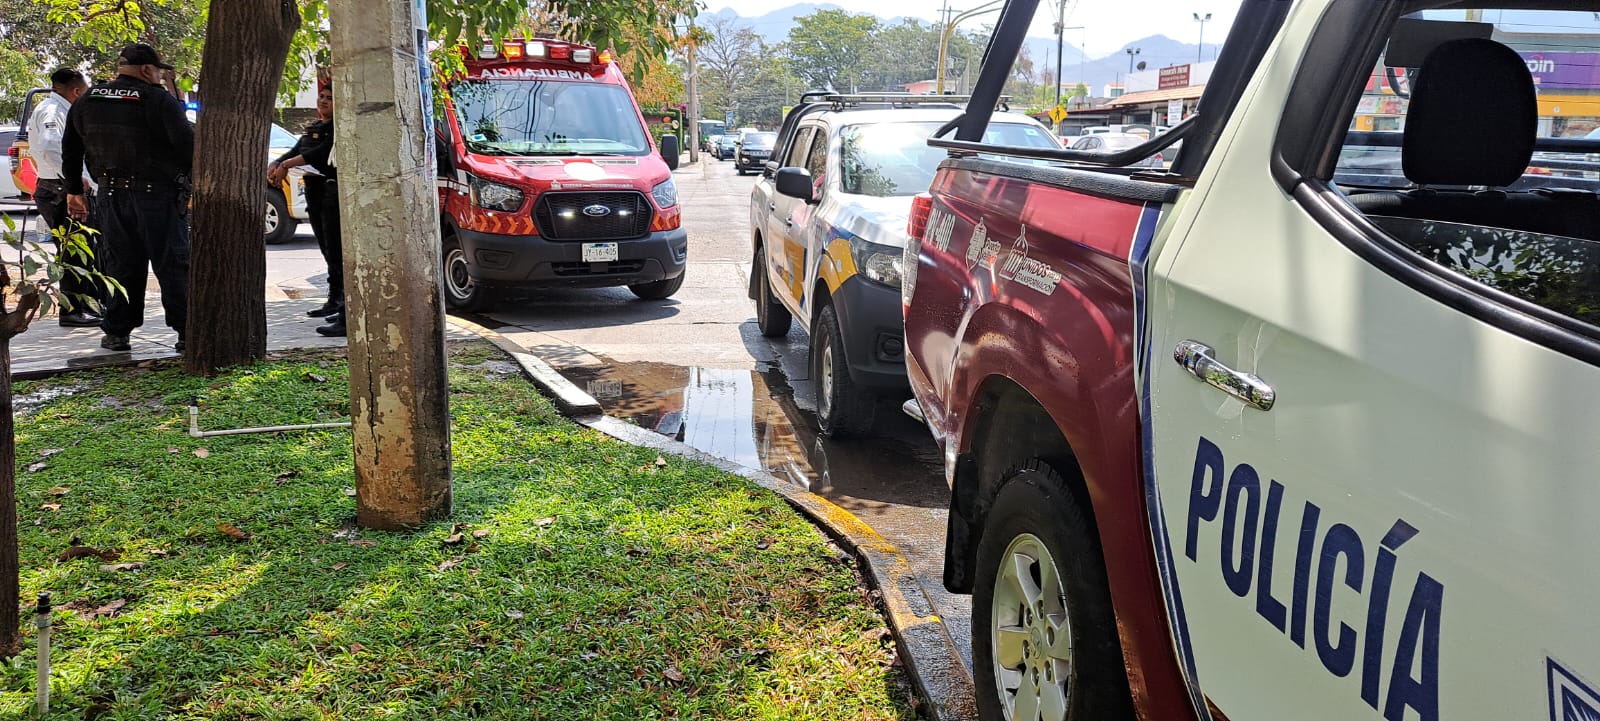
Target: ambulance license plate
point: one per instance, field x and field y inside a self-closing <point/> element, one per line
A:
<point x="599" y="252"/>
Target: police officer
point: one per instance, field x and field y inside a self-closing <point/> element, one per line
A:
<point x="140" y="148"/>
<point x="46" y="127"/>
<point x="315" y="149"/>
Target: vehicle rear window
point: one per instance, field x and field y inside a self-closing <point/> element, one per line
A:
<point x="537" y="117"/>
<point x="760" y="140"/>
<point x="890" y="159"/>
<point x="281" y="138"/>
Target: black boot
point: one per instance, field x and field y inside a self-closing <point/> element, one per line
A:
<point x="327" y="309"/>
<point x="335" y="326"/>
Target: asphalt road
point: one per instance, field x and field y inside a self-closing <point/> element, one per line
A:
<point x="696" y="368"/>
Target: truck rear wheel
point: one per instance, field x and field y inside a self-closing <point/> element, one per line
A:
<point x="461" y="292"/>
<point x="1044" y="636"/>
<point x="843" y="408"/>
<point x="279" y="226"/>
<point x="660" y="289"/>
<point x="772" y="318"/>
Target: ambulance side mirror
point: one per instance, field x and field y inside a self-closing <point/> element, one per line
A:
<point x="669" y="151"/>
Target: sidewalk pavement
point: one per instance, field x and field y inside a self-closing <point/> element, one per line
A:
<point x="46" y="348"/>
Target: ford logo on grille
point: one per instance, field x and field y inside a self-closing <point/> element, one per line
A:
<point x="597" y="211"/>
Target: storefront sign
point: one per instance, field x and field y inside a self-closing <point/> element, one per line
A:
<point x="1556" y="72"/>
<point x="1176" y="76"/>
<point x="1174" y="111"/>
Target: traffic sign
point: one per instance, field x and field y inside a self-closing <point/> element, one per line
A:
<point x="1058" y="114"/>
<point x="727" y="118"/>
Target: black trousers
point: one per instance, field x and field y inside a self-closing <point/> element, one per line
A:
<point x="51" y="197"/>
<point x="140" y="230"/>
<point x="322" y="205"/>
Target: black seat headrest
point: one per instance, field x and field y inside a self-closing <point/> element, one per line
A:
<point x="1472" y="117"/>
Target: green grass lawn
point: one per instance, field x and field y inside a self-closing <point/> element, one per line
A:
<point x="588" y="580"/>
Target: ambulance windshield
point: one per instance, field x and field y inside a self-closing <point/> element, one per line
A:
<point x="538" y="117"/>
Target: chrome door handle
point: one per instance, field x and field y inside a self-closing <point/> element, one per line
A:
<point x="1198" y="359"/>
<point x="772" y="207"/>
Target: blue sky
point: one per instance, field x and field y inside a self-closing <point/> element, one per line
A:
<point x="1108" y="24"/>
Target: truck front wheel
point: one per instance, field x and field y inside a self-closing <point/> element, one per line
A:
<point x="460" y="291"/>
<point x="1044" y="637"/>
<point x="279" y="225"/>
<point x="843" y="408"/>
<point x="771" y="317"/>
<point x="660" y="289"/>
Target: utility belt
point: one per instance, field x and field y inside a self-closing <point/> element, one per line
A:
<point x="51" y="183"/>
<point x="140" y="185"/>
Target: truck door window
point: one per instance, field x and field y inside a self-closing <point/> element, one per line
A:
<point x="1531" y="229"/>
<point x="797" y="150"/>
<point x="817" y="161"/>
<point x="527" y="117"/>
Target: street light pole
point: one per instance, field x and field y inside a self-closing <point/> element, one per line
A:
<point x="1131" y="52"/>
<point x="950" y="27"/>
<point x="1199" y="55"/>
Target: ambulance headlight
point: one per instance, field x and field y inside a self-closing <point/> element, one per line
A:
<point x="494" y="196"/>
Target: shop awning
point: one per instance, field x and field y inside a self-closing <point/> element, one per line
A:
<point x="1149" y="97"/>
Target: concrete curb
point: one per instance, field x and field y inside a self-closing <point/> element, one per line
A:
<point x="930" y="656"/>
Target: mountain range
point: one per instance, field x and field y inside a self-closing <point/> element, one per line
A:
<point x="1156" y="51"/>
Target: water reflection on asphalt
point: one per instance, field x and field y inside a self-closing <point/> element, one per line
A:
<point x="750" y="417"/>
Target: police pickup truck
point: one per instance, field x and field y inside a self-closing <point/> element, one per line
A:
<point x="1273" y="434"/>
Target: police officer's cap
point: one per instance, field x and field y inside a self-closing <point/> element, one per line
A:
<point x="141" y="54"/>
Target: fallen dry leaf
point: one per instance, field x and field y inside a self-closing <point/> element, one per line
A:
<point x="286" y="475"/>
<point x="513" y="614"/>
<point x="123" y="567"/>
<point x="449" y="564"/>
<point x="160" y="552"/>
<point x="349" y="491"/>
<point x="48" y="452"/>
<point x="546" y="521"/>
<point x="357" y="648"/>
<point x="233" y="530"/>
<point x="59" y="491"/>
<point x="480" y="533"/>
<point x="877" y="634"/>
<point x="109" y="609"/>
<point x="661" y="462"/>
<point x="315" y="378"/>
<point x="174" y="449"/>
<point x="50" y="507"/>
<point x="765" y="544"/>
<point x="76" y="551"/>
<point x="673" y="674"/>
<point x="362" y="542"/>
<point x="454" y="539"/>
<point x="36" y="466"/>
<point x="202" y="453"/>
<point x="340" y="566"/>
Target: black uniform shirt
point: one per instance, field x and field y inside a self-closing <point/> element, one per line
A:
<point x="316" y="147"/>
<point x="126" y="128"/>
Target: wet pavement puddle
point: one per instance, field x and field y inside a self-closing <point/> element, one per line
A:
<point x="751" y="418"/>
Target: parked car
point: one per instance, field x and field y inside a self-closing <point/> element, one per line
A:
<point x="1113" y="142"/>
<point x="829" y="230"/>
<point x="1243" y="441"/>
<point x="9" y="192"/>
<point x="708" y="144"/>
<point x="725" y="146"/>
<point x="753" y="151"/>
<point x="286" y="204"/>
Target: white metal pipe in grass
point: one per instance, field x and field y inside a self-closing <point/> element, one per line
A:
<point x="195" y="432"/>
<point x="41" y="622"/>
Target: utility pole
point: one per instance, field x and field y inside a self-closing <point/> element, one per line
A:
<point x="399" y="403"/>
<point x="694" y="100"/>
<point x="1061" y="17"/>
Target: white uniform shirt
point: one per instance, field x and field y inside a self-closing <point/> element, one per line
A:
<point x="46" y="126"/>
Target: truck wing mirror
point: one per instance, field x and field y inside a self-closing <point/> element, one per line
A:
<point x="795" y="183"/>
<point x="441" y="151"/>
<point x="669" y="151"/>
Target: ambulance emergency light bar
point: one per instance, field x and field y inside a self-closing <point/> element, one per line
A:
<point x="540" y="50"/>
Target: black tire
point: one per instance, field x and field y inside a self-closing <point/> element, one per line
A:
<point x="460" y="291"/>
<point x="660" y="289"/>
<point x="1034" y="508"/>
<point x="278" y="225"/>
<point x="772" y="318"/>
<point x="843" y="408"/>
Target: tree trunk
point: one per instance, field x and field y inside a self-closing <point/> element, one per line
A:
<point x="247" y="42"/>
<point x="399" y="400"/>
<point x="10" y="594"/>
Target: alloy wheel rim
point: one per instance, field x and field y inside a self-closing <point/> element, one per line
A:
<point x="456" y="276"/>
<point x="826" y="379"/>
<point x="1030" y="634"/>
<point x="272" y="218"/>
